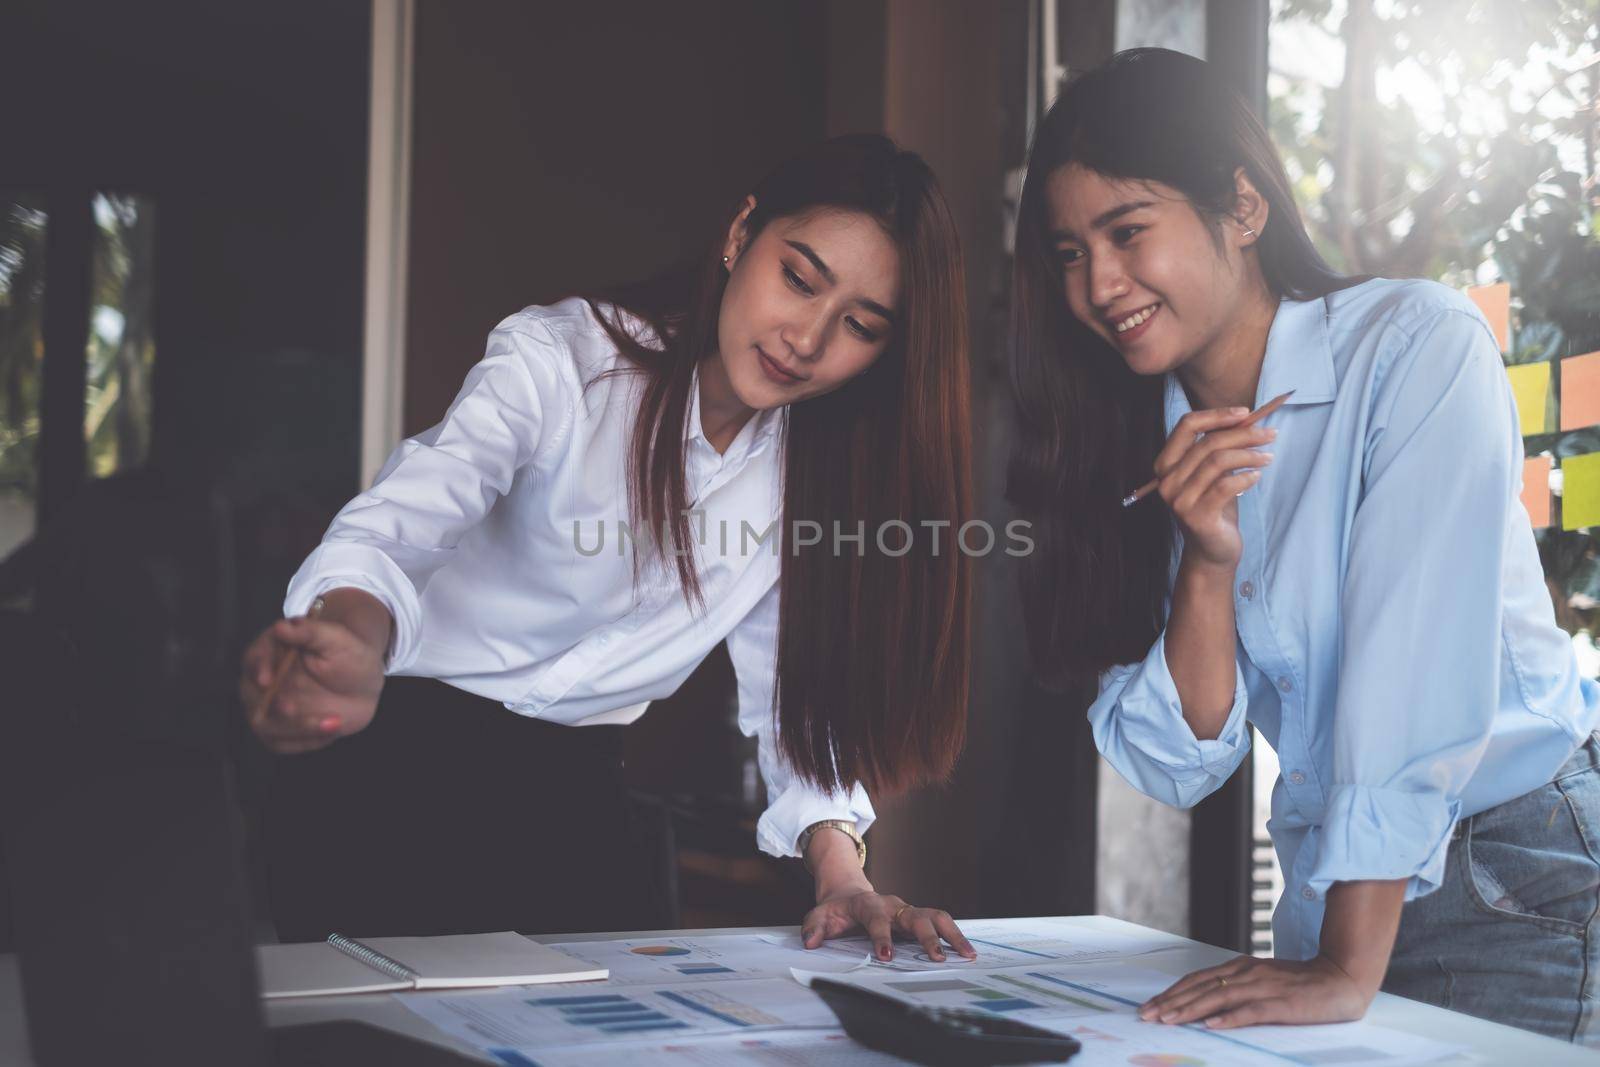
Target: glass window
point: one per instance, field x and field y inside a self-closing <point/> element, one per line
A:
<point x="119" y="353"/>
<point x="22" y="267"/>
<point x="121" y="348"/>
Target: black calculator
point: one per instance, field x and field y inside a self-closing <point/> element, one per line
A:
<point x="944" y="1037"/>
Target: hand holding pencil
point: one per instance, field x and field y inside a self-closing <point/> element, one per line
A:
<point x="1250" y="418"/>
<point x="1210" y="458"/>
<point x="307" y="681"/>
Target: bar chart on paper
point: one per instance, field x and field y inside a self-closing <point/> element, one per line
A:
<point x="702" y="965"/>
<point x="769" y="1050"/>
<point x="696" y="959"/>
<point x="608" y="1014"/>
<point x="554" y="1017"/>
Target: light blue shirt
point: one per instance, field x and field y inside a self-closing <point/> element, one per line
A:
<point x="1396" y="642"/>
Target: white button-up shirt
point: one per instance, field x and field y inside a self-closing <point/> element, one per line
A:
<point x="494" y="539"/>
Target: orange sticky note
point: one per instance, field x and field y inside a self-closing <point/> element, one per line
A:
<point x="1495" y="303"/>
<point x="1530" y="384"/>
<point x="1580" y="391"/>
<point x="1536" y="490"/>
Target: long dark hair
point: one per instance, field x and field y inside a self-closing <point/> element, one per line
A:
<point x="1094" y="589"/>
<point x="872" y="648"/>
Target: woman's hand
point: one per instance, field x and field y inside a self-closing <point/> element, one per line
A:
<point x="1247" y="991"/>
<point x="1208" y="460"/>
<point x="881" y="915"/>
<point x="1195" y="476"/>
<point x="332" y="669"/>
<point x="846" y="902"/>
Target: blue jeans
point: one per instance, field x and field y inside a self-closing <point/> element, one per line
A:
<point x="1511" y="934"/>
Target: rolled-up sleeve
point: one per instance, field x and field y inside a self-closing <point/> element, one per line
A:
<point x="434" y="487"/>
<point x="792" y="803"/>
<point x="1139" y="728"/>
<point x="1421" y="607"/>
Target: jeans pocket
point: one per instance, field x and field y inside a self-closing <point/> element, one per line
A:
<point x="1530" y="859"/>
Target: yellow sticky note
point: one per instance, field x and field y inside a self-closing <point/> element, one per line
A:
<point x="1536" y="490"/>
<point x="1530" y="384"/>
<point x="1580" y="491"/>
<point x="1495" y="303"/>
<point x="1580" y="391"/>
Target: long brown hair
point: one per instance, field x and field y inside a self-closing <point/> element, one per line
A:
<point x="1094" y="589"/>
<point x="873" y="647"/>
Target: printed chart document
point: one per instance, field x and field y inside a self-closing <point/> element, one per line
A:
<point x="805" y="1048"/>
<point x="724" y="957"/>
<point x="1097" y="1004"/>
<point x="1005" y="943"/>
<point x="529" y="1020"/>
<point x="713" y="958"/>
<point x="741" y="998"/>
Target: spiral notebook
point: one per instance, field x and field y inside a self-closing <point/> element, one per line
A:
<point x="388" y="964"/>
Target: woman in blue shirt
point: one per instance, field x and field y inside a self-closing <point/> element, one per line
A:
<point x="1353" y="574"/>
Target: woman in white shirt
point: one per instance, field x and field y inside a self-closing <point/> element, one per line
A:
<point x="619" y="486"/>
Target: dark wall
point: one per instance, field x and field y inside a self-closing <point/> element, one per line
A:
<point x="559" y="147"/>
<point x="1032" y="765"/>
<point x="247" y="124"/>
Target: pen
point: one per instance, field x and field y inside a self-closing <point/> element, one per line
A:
<point x="1249" y="420"/>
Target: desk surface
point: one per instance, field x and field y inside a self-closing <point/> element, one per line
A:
<point x="1490" y="1042"/>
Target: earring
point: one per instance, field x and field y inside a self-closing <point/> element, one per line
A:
<point x="1249" y="232"/>
<point x="724" y="261"/>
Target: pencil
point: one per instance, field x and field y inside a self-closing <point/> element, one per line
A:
<point x="280" y="671"/>
<point x="1249" y="420"/>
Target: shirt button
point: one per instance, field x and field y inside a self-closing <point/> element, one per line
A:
<point x="1309" y="893"/>
<point x="1247" y="590"/>
<point x="1297" y="778"/>
<point x="1285" y="685"/>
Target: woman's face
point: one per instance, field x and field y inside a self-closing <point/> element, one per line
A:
<point x="1141" y="269"/>
<point x="810" y="303"/>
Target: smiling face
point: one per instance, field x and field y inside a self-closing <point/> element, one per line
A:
<point x="810" y="304"/>
<point x="1142" y="269"/>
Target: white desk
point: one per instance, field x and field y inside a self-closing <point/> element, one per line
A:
<point x="1491" y="1043"/>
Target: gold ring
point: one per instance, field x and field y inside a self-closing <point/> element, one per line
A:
<point x="903" y="909"/>
<point x="1224" y="981"/>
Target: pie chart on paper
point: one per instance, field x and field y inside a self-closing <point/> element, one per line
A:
<point x="659" y="950"/>
<point x="1165" y="1059"/>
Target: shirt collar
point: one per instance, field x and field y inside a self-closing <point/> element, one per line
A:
<point x="1299" y="357"/>
<point x="753" y="439"/>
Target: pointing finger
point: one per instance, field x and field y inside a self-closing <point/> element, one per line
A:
<point x="923" y="930"/>
<point x="952" y="933"/>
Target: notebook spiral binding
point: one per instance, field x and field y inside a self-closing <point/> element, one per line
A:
<point x="372" y="958"/>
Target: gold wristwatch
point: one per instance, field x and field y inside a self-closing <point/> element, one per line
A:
<point x="834" y="824"/>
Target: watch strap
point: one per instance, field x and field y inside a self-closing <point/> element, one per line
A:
<point x="844" y="827"/>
